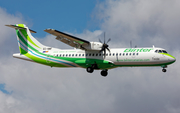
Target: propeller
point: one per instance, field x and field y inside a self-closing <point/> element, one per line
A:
<point x="104" y="46"/>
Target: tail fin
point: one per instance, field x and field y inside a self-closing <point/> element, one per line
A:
<point x="26" y="41"/>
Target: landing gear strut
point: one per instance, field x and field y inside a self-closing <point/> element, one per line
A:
<point x="104" y="73"/>
<point x="164" y="70"/>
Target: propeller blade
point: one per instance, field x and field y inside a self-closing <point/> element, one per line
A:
<point x="104" y="38"/>
<point x="100" y="41"/>
<point x="108" y="49"/>
<point x="108" y="40"/>
<point x="104" y="53"/>
<point x="102" y="49"/>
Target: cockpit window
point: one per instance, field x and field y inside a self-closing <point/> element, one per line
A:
<point x="164" y="51"/>
<point x="160" y="51"/>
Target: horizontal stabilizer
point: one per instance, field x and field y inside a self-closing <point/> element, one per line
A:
<point x="17" y="27"/>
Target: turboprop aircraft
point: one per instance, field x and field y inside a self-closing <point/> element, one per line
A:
<point x="89" y="55"/>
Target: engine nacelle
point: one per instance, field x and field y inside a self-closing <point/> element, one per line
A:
<point x="94" y="46"/>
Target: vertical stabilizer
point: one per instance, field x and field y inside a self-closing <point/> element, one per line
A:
<point x="26" y="41"/>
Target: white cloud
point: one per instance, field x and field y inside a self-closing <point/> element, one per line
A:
<point x="37" y="88"/>
<point x="142" y="21"/>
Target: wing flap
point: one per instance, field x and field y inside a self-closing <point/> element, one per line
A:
<point x="68" y="39"/>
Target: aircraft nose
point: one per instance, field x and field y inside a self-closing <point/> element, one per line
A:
<point x="172" y="59"/>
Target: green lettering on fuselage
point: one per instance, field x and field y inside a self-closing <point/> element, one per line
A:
<point x="137" y="50"/>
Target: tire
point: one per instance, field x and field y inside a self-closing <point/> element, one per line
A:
<point x="104" y="73"/>
<point x="89" y="69"/>
<point x="164" y="70"/>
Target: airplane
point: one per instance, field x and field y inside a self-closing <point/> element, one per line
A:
<point x="89" y="55"/>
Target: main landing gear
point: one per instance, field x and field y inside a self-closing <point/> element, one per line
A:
<point x="104" y="73"/>
<point x="89" y="69"/>
<point x="164" y="70"/>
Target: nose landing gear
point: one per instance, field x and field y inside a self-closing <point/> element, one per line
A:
<point x="164" y="70"/>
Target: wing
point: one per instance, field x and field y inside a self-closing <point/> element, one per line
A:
<point x="68" y="39"/>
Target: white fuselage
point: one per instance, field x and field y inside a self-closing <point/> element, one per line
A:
<point x="119" y="57"/>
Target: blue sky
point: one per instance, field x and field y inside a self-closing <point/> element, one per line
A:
<point x="2" y="88"/>
<point x="65" y="15"/>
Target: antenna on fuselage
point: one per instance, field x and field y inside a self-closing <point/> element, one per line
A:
<point x="131" y="45"/>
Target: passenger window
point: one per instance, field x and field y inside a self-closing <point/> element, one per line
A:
<point x="126" y="54"/>
<point x="82" y="54"/>
<point x="79" y="54"/>
<point x="86" y="54"/>
<point x="99" y="54"/>
<point x="113" y="54"/>
<point x="130" y="54"/>
<point x="63" y="55"/>
<point x="76" y="54"/>
<point x="123" y="54"/>
<point x="133" y="53"/>
<point x="119" y="54"/>
<point x="96" y="54"/>
<point x="69" y="54"/>
<point x="72" y="54"/>
<point x="66" y="54"/>
<point x="93" y="54"/>
<point x="109" y="54"/>
<point x="137" y="53"/>
<point x="90" y="54"/>
<point x="106" y="54"/>
<point x="60" y="55"/>
<point x="156" y="51"/>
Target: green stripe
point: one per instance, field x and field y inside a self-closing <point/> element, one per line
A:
<point x="44" y="61"/>
<point x="168" y="55"/>
<point x="21" y="25"/>
<point x="24" y="32"/>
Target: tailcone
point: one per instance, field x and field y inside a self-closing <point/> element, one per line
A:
<point x="21" y="56"/>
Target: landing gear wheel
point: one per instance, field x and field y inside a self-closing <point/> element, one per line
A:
<point x="104" y="73"/>
<point x="164" y="70"/>
<point x="89" y="69"/>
